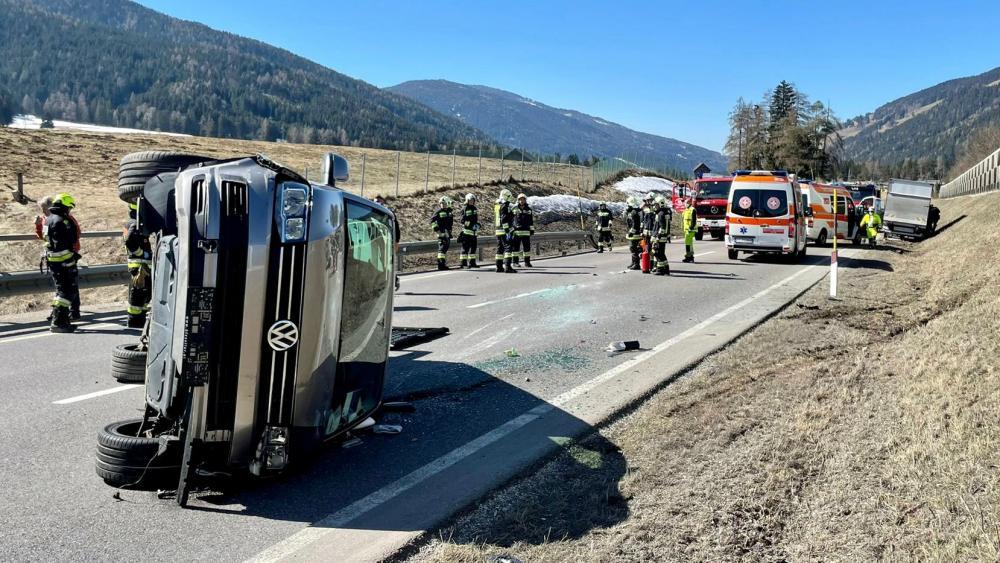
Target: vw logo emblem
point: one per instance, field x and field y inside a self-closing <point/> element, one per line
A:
<point x="715" y="209"/>
<point x="282" y="335"/>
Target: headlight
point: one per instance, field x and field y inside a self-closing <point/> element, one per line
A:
<point x="295" y="228"/>
<point x="293" y="202"/>
<point x="292" y="212"/>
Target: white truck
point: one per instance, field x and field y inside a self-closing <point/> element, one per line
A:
<point x="907" y="209"/>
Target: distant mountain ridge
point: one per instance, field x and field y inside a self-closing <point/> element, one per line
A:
<point x="929" y="127"/>
<point x="117" y="63"/>
<point x="521" y="122"/>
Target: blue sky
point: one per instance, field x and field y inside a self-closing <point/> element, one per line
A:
<point x="669" y="68"/>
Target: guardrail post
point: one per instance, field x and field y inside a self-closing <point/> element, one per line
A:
<point x="427" y="173"/>
<point x="397" y="173"/>
<point x="479" y="179"/>
<point x="454" y="163"/>
<point x="20" y="189"/>
<point x="364" y="161"/>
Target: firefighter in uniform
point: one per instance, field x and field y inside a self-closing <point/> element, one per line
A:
<point x="503" y="231"/>
<point x="140" y="255"/>
<point x="633" y="222"/>
<point x="523" y="222"/>
<point x="470" y="230"/>
<point x="661" y="236"/>
<point x="62" y="240"/>
<point x="690" y="229"/>
<point x="442" y="222"/>
<point x="648" y="214"/>
<point x="603" y="225"/>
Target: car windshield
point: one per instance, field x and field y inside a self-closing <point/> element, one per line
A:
<point x="759" y="203"/>
<point x="714" y="190"/>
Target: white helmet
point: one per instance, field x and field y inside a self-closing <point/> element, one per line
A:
<point x="633" y="201"/>
<point x="649" y="197"/>
<point x="660" y="200"/>
<point x="522" y="196"/>
<point x="469" y="198"/>
<point x="505" y="195"/>
<point x="445" y="201"/>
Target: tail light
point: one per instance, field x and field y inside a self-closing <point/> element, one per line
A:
<point x="727" y="226"/>
<point x="791" y="227"/>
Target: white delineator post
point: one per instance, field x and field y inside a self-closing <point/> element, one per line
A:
<point x="833" y="255"/>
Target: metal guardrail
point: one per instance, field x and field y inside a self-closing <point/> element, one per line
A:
<point x="88" y="234"/>
<point x="981" y="178"/>
<point x="24" y="283"/>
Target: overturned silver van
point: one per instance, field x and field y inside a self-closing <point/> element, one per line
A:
<point x="270" y="322"/>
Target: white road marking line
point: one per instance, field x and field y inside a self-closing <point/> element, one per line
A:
<point x="704" y="253"/>
<point x="46" y="333"/>
<point x="322" y="527"/>
<point x="79" y="398"/>
<point x="423" y="277"/>
<point x="487" y="325"/>
<point x="518" y="296"/>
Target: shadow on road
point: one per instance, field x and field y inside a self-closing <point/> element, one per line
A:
<point x="435" y="294"/>
<point x="675" y="273"/>
<point x="947" y="225"/>
<point x="455" y="404"/>
<point x="413" y="308"/>
<point x="43" y="325"/>
<point x="866" y="263"/>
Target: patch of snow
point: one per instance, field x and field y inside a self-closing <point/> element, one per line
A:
<point x="568" y="114"/>
<point x="35" y="122"/>
<point x="679" y="155"/>
<point x="599" y="122"/>
<point x="994" y="83"/>
<point x="642" y="185"/>
<point x="569" y="204"/>
<point x="529" y="102"/>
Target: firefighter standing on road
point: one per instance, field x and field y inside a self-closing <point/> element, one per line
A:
<point x="633" y="222"/>
<point x="523" y="223"/>
<point x="690" y="229"/>
<point x="503" y="231"/>
<point x="603" y="225"/>
<point x="62" y="242"/>
<point x="442" y="222"/>
<point x="648" y="213"/>
<point x="140" y="256"/>
<point x="470" y="230"/>
<point x="661" y="236"/>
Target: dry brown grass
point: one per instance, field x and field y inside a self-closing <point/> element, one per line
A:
<point x="861" y="429"/>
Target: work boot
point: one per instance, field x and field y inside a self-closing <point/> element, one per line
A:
<point x="136" y="321"/>
<point x="464" y="264"/>
<point x="499" y="266"/>
<point x="517" y="261"/>
<point x="472" y="264"/>
<point x="74" y="315"/>
<point x="507" y="268"/>
<point x="60" y="321"/>
<point x="527" y="262"/>
<point x="442" y="265"/>
<point x="600" y="249"/>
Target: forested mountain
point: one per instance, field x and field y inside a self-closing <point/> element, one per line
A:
<point x="921" y="135"/>
<point x="517" y="121"/>
<point x="115" y="62"/>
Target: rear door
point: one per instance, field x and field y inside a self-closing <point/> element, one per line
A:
<point x="759" y="215"/>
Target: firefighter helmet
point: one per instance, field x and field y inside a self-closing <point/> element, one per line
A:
<point x="64" y="200"/>
<point x="505" y="195"/>
<point x="633" y="201"/>
<point x="522" y="196"/>
<point x="660" y="200"/>
<point x="446" y="202"/>
<point x="649" y="197"/>
<point x="470" y="198"/>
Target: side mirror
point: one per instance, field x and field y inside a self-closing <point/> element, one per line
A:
<point x="809" y="212"/>
<point x="335" y="169"/>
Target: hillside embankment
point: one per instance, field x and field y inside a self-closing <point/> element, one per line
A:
<point x="857" y="429"/>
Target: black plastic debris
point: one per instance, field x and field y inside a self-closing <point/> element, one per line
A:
<point x="404" y="337"/>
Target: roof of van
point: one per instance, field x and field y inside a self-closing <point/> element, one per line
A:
<point x="760" y="178"/>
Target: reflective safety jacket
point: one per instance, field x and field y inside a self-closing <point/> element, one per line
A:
<point x="603" y="219"/>
<point x="690" y="219"/>
<point x="501" y="218"/>
<point x="470" y="220"/>
<point x="137" y="246"/>
<point x="661" y="225"/>
<point x="648" y="219"/>
<point x="523" y="220"/>
<point x="442" y="221"/>
<point x="871" y="220"/>
<point x="633" y="222"/>
<point x="61" y="239"/>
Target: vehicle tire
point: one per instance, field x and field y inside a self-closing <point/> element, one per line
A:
<point x="127" y="460"/>
<point x="128" y="363"/>
<point x="137" y="167"/>
<point x="699" y="234"/>
<point x="734" y="254"/>
<point x="821" y="239"/>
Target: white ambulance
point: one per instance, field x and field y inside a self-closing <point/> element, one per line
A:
<point x="820" y="226"/>
<point x="765" y="215"/>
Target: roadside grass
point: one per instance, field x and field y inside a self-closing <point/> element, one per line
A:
<point x="858" y="429"/>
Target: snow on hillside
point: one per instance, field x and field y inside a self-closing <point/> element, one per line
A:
<point x="642" y="185"/>
<point x="35" y="122"/>
<point x="569" y="204"/>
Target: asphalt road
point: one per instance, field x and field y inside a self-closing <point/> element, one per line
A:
<point x="558" y="317"/>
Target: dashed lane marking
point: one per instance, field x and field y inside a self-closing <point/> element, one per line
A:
<point x="101" y="393"/>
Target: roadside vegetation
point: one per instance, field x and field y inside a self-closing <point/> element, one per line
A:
<point x="849" y="430"/>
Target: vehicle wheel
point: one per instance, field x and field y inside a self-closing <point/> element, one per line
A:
<point x="699" y="235"/>
<point x="734" y="254"/>
<point x="821" y="239"/>
<point x="125" y="459"/>
<point x="128" y="363"/>
<point x="137" y="167"/>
